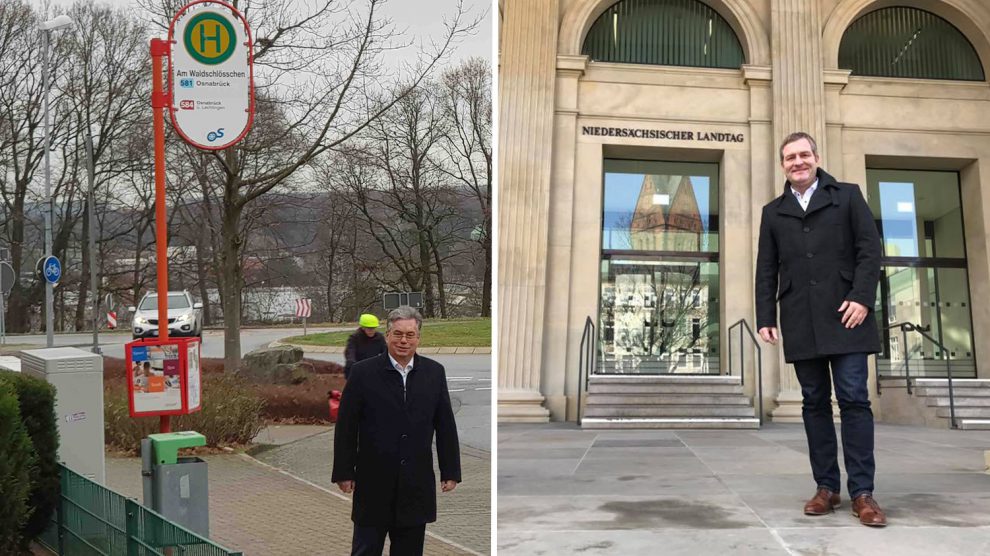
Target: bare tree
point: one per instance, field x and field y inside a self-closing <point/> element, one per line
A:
<point x="319" y="76"/>
<point x="468" y="143"/>
<point x="106" y="88"/>
<point x="22" y="145"/>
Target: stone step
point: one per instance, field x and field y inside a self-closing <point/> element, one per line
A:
<point x="956" y="383"/>
<point x="960" y="401"/>
<point x="974" y="424"/>
<point x="667" y="399"/>
<point x="671" y="423"/>
<point x="646" y="389"/>
<point x="664" y="379"/>
<point x="668" y="411"/>
<point x="969" y="412"/>
<point x="944" y="392"/>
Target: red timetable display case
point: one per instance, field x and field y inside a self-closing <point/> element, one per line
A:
<point x="163" y="377"/>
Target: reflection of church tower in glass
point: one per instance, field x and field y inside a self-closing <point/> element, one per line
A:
<point x="666" y="217"/>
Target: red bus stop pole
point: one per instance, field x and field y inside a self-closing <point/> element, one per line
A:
<point x="159" y="101"/>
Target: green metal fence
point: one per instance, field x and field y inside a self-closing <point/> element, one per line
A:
<point x="94" y="520"/>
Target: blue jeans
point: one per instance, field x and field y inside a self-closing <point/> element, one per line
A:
<point x="849" y="373"/>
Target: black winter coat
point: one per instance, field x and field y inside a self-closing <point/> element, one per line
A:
<point x="823" y="256"/>
<point x="360" y="347"/>
<point x="384" y="438"/>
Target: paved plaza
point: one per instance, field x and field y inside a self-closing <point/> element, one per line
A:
<point x="563" y="490"/>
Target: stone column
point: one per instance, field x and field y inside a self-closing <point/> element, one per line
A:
<point x="798" y="105"/>
<point x="761" y="189"/>
<point x="559" y="363"/>
<point x="798" y="89"/>
<point x="526" y="117"/>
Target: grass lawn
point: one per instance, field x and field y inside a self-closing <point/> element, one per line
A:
<point x="436" y="333"/>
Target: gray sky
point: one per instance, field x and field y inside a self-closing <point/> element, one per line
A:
<point x="420" y="19"/>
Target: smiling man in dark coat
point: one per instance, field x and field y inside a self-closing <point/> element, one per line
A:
<point x="383" y="442"/>
<point x="820" y="240"/>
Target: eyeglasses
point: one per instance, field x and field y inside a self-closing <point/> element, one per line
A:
<point x="408" y="335"/>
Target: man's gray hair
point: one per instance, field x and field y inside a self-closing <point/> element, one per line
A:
<point x="402" y="313"/>
<point x="797" y="136"/>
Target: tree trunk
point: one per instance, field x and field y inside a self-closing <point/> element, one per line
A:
<point x="136" y="276"/>
<point x="441" y="295"/>
<point x="330" y="274"/>
<point x="22" y="297"/>
<point x="205" y="238"/>
<point x="233" y="273"/>
<point x="427" y="277"/>
<point x="202" y="271"/>
<point x="21" y="303"/>
<point x="486" y="288"/>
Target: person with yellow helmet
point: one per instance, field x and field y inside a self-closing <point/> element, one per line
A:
<point x="365" y="342"/>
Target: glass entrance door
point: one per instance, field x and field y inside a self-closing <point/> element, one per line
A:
<point x="924" y="278"/>
<point x="659" y="304"/>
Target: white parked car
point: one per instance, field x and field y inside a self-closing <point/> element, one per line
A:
<point x="185" y="316"/>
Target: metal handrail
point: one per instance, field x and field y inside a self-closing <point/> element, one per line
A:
<point x="743" y="325"/>
<point x="586" y="361"/>
<point x="911" y="327"/>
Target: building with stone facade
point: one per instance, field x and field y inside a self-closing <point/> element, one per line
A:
<point x="638" y="142"/>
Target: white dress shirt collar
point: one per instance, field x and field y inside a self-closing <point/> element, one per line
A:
<point x="404" y="371"/>
<point x="803" y="200"/>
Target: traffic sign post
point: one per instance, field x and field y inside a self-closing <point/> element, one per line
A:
<point x="304" y="308"/>
<point x="393" y="300"/>
<point x="52" y="269"/>
<point x="210" y="99"/>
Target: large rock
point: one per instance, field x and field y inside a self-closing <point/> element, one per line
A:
<point x="295" y="373"/>
<point x="263" y="365"/>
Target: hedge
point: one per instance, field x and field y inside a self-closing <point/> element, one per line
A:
<point x="37" y="407"/>
<point x="231" y="414"/>
<point x="16" y="466"/>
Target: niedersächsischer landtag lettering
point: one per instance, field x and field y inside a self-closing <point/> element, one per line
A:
<point x="640" y="133"/>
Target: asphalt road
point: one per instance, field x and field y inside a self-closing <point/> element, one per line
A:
<point x="112" y="344"/>
<point x="469" y="377"/>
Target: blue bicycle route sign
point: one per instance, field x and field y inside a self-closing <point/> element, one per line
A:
<point x="53" y="269"/>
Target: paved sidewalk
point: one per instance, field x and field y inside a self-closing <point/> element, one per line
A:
<point x="279" y="435"/>
<point x="463" y="516"/>
<point x="259" y="510"/>
<point x="562" y="490"/>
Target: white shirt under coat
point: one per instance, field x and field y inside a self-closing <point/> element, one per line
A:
<point x="404" y="371"/>
<point x="803" y="200"/>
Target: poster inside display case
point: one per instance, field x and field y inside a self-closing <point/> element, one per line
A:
<point x="163" y="377"/>
<point x="156" y="378"/>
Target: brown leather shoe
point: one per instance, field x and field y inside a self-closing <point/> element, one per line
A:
<point x="868" y="511"/>
<point x="824" y="502"/>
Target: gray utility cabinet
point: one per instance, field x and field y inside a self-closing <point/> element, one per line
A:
<point x="77" y="376"/>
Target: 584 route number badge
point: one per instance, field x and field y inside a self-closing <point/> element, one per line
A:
<point x="210" y="77"/>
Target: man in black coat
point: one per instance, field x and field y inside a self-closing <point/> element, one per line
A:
<point x="365" y="343"/>
<point x="389" y="411"/>
<point x="819" y="256"/>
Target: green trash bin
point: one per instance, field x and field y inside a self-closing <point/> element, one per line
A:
<point x="176" y="487"/>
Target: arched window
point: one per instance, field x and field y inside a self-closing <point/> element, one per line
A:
<point x="667" y="32"/>
<point x="908" y="42"/>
